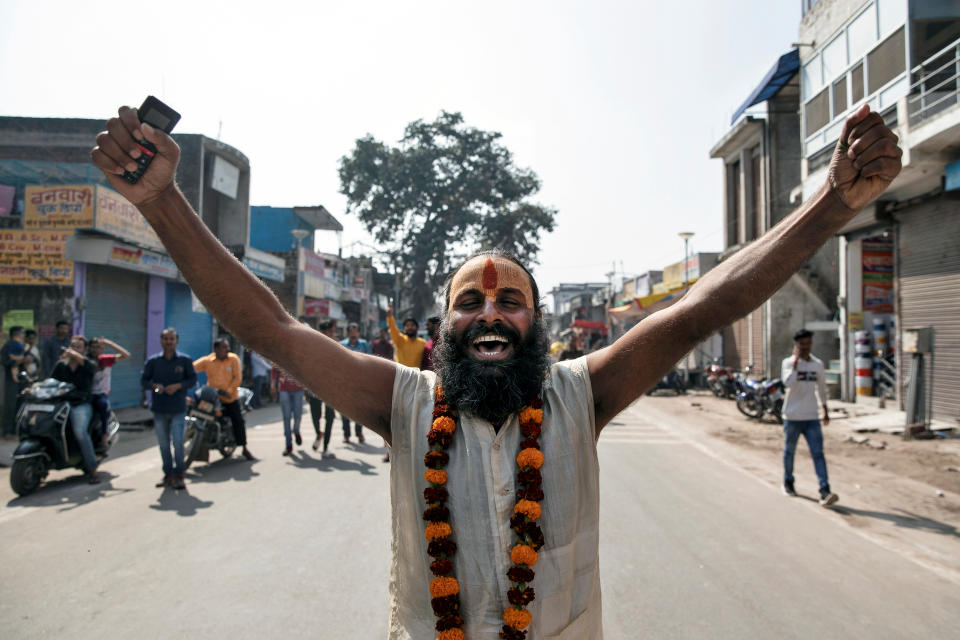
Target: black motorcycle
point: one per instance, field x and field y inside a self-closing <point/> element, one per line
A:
<point x="207" y="428"/>
<point x="673" y="381"/>
<point x="761" y="397"/>
<point x="46" y="439"/>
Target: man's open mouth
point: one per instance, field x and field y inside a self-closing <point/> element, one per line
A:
<point x="491" y="346"/>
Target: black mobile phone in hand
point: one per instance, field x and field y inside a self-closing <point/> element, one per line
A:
<point x="159" y="116"/>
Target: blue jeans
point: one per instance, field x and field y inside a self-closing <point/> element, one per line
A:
<point x="101" y="404"/>
<point x="291" y="403"/>
<point x="256" y="387"/>
<point x="80" y="415"/>
<point x="814" y="437"/>
<point x="169" y="426"/>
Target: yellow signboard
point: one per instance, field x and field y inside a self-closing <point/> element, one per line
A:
<point x="116" y="216"/>
<point x="59" y="206"/>
<point x="29" y="256"/>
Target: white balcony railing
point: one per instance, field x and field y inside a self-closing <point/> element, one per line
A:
<point x="935" y="84"/>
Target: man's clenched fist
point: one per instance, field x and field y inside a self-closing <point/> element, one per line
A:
<point x="866" y="159"/>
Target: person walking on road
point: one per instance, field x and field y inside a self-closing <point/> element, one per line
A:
<point x="100" y="396"/>
<point x="169" y="375"/>
<point x="508" y="440"/>
<point x="803" y="378"/>
<point x="317" y="411"/>
<point x="354" y="342"/>
<point x="224" y="373"/>
<point x="260" y="371"/>
<point x="291" y="404"/>
<point x="53" y="347"/>
<point x="11" y="356"/>
<point x="407" y="346"/>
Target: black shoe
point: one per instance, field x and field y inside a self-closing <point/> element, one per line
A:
<point x="164" y="483"/>
<point x="828" y="497"/>
<point x="248" y="455"/>
<point x="93" y="478"/>
<point x="788" y="488"/>
<point x="299" y="440"/>
<point x="288" y="451"/>
<point x="360" y="438"/>
<point x="177" y="482"/>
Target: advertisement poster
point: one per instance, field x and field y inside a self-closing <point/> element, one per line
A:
<point x="59" y="207"/>
<point x="34" y="257"/>
<point x="878" y="274"/>
<point x="18" y="318"/>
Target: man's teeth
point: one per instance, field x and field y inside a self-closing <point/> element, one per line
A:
<point x="490" y="339"/>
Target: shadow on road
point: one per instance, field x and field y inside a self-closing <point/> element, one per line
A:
<point x="181" y="502"/>
<point x="70" y="492"/>
<point x="363" y="447"/>
<point x="903" y="519"/>
<point x="306" y="461"/>
<point x="223" y="470"/>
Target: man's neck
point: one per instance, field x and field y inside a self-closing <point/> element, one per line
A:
<point x="169" y="354"/>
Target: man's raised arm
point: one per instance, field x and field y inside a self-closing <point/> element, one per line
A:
<point x="359" y="385"/>
<point x="864" y="163"/>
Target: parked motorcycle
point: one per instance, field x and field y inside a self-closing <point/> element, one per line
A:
<point x="46" y="439"/>
<point x="721" y="380"/>
<point x="759" y="398"/>
<point x="207" y="428"/>
<point x="673" y="381"/>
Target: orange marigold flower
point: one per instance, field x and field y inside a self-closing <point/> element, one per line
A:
<point x="445" y="424"/>
<point x="450" y="634"/>
<point x="436" y="476"/>
<point x="530" y="414"/>
<point x="530" y="458"/>
<point x="437" y="530"/>
<point x="523" y="554"/>
<point x="517" y="618"/>
<point x="528" y="508"/>
<point x="444" y="586"/>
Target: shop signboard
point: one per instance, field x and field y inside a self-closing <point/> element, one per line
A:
<point x="312" y="264"/>
<point x="17" y="318"/>
<point x="264" y="270"/>
<point x="316" y="308"/>
<point x="116" y="216"/>
<point x="130" y="257"/>
<point x="59" y="206"/>
<point x="33" y="257"/>
<point x="877" y="259"/>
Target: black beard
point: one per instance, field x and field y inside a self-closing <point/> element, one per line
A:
<point x="491" y="390"/>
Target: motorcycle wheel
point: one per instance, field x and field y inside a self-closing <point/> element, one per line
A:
<point x="749" y="406"/>
<point x="717" y="389"/>
<point x="191" y="438"/>
<point x="226" y="450"/>
<point x="26" y="475"/>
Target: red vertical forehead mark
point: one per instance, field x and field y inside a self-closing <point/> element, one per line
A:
<point x="489" y="278"/>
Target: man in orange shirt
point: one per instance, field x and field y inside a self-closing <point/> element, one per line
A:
<point x="224" y="373"/>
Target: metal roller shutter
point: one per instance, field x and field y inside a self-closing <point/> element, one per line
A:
<point x="193" y="327"/>
<point x="117" y="309"/>
<point x="929" y="252"/>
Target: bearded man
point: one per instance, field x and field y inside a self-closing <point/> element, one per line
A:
<point x="510" y="445"/>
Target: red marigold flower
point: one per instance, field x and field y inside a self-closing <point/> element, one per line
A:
<point x="536" y="403"/>
<point x="451" y="621"/>
<point x="533" y="535"/>
<point x="521" y="598"/>
<point x="445" y="424"/>
<point x="521" y="574"/>
<point x="529" y="476"/>
<point x="509" y="633"/>
<point x="437" y="514"/>
<point x="529" y="443"/>
<point x="436" y="459"/>
<point x="436" y="437"/>
<point x="441" y="410"/>
<point x="531" y="430"/>
<point x="532" y="492"/>
<point x="435" y="494"/>
<point x="442" y="547"/>
<point x="446" y="605"/>
<point x="441" y="567"/>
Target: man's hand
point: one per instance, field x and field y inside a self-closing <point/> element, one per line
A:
<point x="171" y="389"/>
<point x="117" y="151"/>
<point x="71" y="354"/>
<point x="826" y="416"/>
<point x="866" y="159"/>
<point x="390" y="308"/>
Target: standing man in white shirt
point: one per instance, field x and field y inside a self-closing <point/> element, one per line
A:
<point x="803" y="378"/>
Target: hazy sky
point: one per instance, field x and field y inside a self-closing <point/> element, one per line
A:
<point x="615" y="105"/>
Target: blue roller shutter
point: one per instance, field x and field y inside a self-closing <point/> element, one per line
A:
<point x="193" y="327"/>
<point x="117" y="309"/>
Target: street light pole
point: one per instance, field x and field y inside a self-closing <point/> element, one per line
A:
<point x="686" y="235"/>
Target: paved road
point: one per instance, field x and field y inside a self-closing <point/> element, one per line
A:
<point x="692" y="546"/>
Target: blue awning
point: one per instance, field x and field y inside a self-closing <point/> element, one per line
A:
<point x="778" y="76"/>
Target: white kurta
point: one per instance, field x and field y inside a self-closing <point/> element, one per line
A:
<point x="482" y="485"/>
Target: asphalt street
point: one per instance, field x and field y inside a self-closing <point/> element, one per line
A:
<point x="694" y="544"/>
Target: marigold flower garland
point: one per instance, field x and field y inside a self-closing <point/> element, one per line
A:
<point x="444" y="588"/>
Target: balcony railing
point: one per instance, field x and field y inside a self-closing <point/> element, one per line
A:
<point x="935" y="84"/>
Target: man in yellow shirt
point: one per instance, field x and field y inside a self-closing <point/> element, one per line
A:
<point x="224" y="373"/>
<point x="407" y="346"/>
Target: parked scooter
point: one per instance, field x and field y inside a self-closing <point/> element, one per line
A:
<point x="673" y="381"/>
<point x="46" y="439"/>
<point x="207" y="428"/>
<point x="761" y="397"/>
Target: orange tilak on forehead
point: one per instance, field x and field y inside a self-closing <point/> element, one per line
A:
<point x="491" y="276"/>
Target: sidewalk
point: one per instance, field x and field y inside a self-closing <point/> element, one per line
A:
<point x="865" y="416"/>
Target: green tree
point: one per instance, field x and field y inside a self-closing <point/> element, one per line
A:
<point x="444" y="191"/>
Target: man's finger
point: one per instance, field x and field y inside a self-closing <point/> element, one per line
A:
<point x="118" y="131"/>
<point x="852" y="121"/>
<point x="128" y="116"/>
<point x="870" y="121"/>
<point x="884" y="167"/>
<point x="109" y="146"/>
<point x="163" y="142"/>
<point x="860" y="144"/>
<point x="104" y="162"/>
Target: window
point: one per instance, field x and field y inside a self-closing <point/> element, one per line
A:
<point x="817" y="112"/>
<point x="757" y="196"/>
<point x="835" y="58"/>
<point x="856" y="84"/>
<point x="733" y="203"/>
<point x="839" y="96"/>
<point x="862" y="32"/>
<point x="812" y="77"/>
<point x="887" y="61"/>
<point x="891" y="14"/>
